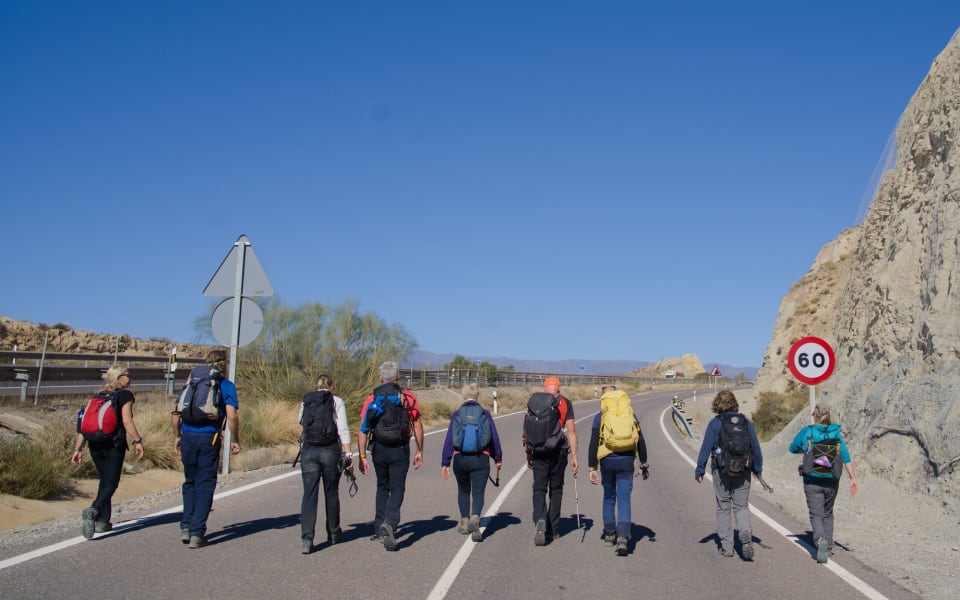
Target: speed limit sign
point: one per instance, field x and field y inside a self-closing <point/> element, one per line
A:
<point x="811" y="360"/>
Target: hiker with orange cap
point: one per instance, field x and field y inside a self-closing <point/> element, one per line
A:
<point x="549" y="433"/>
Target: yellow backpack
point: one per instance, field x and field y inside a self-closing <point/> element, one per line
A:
<point x="618" y="428"/>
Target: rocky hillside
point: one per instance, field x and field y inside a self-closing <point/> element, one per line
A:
<point x="688" y="364"/>
<point x="883" y="294"/>
<point x="28" y="337"/>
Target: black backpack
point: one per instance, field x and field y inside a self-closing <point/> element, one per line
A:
<point x="319" y="419"/>
<point x="541" y="424"/>
<point x="200" y="403"/>
<point x="734" y="455"/>
<point x="822" y="459"/>
<point x="392" y="427"/>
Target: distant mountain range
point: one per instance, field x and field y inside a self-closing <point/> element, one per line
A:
<point x="421" y="359"/>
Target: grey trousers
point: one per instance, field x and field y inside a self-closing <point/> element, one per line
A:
<point x="820" y="499"/>
<point x="732" y="503"/>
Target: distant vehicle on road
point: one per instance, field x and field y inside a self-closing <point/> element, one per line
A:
<point x="670" y="375"/>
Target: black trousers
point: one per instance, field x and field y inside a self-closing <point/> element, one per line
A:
<point x="548" y="471"/>
<point x="320" y="463"/>
<point x="391" y="465"/>
<point x="108" y="458"/>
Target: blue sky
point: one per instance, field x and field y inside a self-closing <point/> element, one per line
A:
<point x="542" y="180"/>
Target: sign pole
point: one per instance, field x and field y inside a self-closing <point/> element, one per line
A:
<point x="234" y="341"/>
<point x="813" y="398"/>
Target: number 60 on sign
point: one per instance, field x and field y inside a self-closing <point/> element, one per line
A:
<point x="811" y="360"/>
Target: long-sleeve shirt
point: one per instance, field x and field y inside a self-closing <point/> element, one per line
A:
<point x="711" y="441"/>
<point x="493" y="450"/>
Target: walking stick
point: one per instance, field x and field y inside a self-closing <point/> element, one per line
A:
<point x="763" y="483"/>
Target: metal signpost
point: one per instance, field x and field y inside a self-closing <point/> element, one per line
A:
<point x="714" y="373"/>
<point x="811" y="360"/>
<point x="237" y="320"/>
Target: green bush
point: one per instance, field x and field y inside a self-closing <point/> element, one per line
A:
<point x="774" y="411"/>
<point x="40" y="468"/>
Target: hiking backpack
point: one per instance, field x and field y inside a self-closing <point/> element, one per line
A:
<point x="734" y="454"/>
<point x="471" y="430"/>
<point x="822" y="459"/>
<point x="618" y="427"/>
<point x="319" y="419"/>
<point x="541" y="424"/>
<point x="200" y="402"/>
<point x="100" y="420"/>
<point x="392" y="427"/>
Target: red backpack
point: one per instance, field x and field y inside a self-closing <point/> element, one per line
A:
<point x="100" y="420"/>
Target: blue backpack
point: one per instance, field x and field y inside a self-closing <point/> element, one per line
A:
<point x="471" y="431"/>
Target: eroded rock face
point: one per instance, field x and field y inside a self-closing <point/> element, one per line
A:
<point x="29" y="338"/>
<point x="887" y="294"/>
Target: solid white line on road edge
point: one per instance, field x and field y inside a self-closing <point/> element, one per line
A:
<point x="857" y="583"/>
<point x="453" y="569"/>
<point x="28" y="556"/>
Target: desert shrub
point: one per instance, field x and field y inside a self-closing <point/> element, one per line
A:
<point x="267" y="422"/>
<point x="62" y="327"/>
<point x="774" y="411"/>
<point x="39" y="468"/>
<point x="3" y="331"/>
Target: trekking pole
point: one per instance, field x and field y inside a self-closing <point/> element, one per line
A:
<point x="576" y="496"/>
<point x="763" y="483"/>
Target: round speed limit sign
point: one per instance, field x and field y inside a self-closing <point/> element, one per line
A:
<point x="811" y="360"/>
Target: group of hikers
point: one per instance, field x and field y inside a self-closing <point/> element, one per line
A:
<point x="390" y="418"/>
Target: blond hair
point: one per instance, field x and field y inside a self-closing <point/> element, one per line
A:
<point x="112" y="376"/>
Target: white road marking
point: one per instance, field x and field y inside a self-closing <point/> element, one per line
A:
<point x="857" y="583"/>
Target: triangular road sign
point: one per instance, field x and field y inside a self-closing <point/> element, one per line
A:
<point x="715" y="372"/>
<point x="224" y="281"/>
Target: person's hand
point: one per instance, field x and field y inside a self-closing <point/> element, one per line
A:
<point x="699" y="477"/>
<point x="234" y="447"/>
<point x="574" y="465"/>
<point x="176" y="446"/>
<point x="853" y="487"/>
<point x="418" y="459"/>
<point x="77" y="457"/>
<point x="594" y="477"/>
<point x="364" y="466"/>
<point x="445" y="472"/>
<point x="138" y="448"/>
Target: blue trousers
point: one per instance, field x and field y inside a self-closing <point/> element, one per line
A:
<point x="200" y="456"/>
<point x="616" y="474"/>
<point x="391" y="465"/>
<point x="471" y="471"/>
<point x="318" y="462"/>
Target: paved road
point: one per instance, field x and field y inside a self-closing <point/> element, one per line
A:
<point x="255" y="549"/>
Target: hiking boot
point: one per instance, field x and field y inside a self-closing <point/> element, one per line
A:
<point x="540" y="535"/>
<point x="609" y="539"/>
<point x="726" y="553"/>
<point x="184" y="536"/>
<point x="334" y="536"/>
<point x="306" y="546"/>
<point x="464" y="526"/>
<point x="89" y="526"/>
<point x="823" y="547"/>
<point x="102" y="527"/>
<point x="621" y="546"/>
<point x="389" y="541"/>
<point x="746" y="545"/>
<point x="474" y="528"/>
<point x="198" y="541"/>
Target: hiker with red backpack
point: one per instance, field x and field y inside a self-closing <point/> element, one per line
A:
<point x="825" y="455"/>
<point x="549" y="434"/>
<point x="730" y="443"/>
<point x="389" y="418"/>
<point x="105" y="423"/>
<point x="472" y="440"/>
<point x="615" y="443"/>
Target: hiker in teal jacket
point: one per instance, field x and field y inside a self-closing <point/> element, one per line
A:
<point x="821" y="490"/>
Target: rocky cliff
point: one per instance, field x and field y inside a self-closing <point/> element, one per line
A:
<point x="886" y="295"/>
<point x="28" y="337"/>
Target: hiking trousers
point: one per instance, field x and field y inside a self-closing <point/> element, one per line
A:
<point x="108" y="458"/>
<point x="548" y="471"/>
<point x="616" y="475"/>
<point x="391" y="465"/>
<point x="733" y="500"/>
<point x="820" y="499"/>
<point x="471" y="471"/>
<point x="200" y="456"/>
<point x="316" y="463"/>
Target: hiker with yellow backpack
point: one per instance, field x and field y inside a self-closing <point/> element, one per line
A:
<point x="615" y="441"/>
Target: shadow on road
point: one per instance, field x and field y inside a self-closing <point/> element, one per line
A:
<point x="239" y="530"/>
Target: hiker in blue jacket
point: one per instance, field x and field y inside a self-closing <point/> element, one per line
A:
<point x="732" y="491"/>
<point x="471" y="469"/>
<point x="821" y="490"/>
